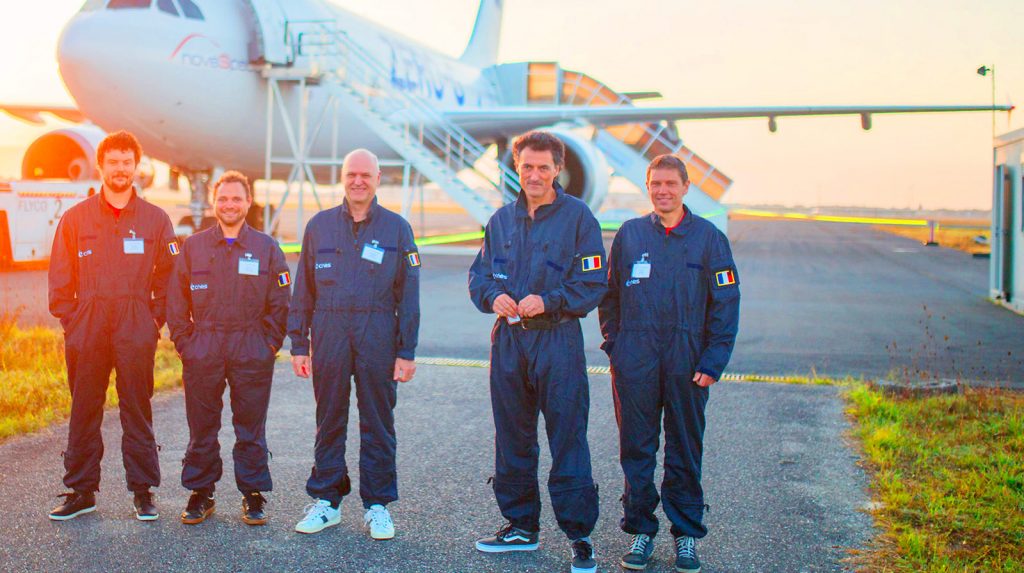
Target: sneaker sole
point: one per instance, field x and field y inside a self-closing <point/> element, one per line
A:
<point x="198" y="520"/>
<point x="250" y="521"/>
<point x="506" y="548"/>
<point x="682" y="570"/>
<point x="574" y="569"/>
<point x="147" y="517"/>
<point x="73" y="515"/>
<point x="330" y="523"/>
<point x="379" y="537"/>
<point x="632" y="566"/>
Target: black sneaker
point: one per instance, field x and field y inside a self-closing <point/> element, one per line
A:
<point x="686" y="555"/>
<point x="252" y="508"/>
<point x="200" y="506"/>
<point x="144" y="508"/>
<point x="508" y="538"/>
<point x="639" y="554"/>
<point x="75" y="503"/>
<point x="583" y="556"/>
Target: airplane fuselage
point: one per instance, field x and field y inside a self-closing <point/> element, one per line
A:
<point x="188" y="91"/>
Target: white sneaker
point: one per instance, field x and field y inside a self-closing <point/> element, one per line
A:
<point x="319" y="516"/>
<point x="378" y="521"/>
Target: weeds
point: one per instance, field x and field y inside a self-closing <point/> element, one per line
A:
<point x="33" y="380"/>
<point x="948" y="472"/>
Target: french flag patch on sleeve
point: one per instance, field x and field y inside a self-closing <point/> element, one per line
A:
<point x="591" y="263"/>
<point x="413" y="258"/>
<point x="172" y="248"/>
<point x="725" y="278"/>
<point x="284" y="279"/>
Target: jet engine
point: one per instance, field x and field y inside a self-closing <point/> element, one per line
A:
<point x="70" y="154"/>
<point x="586" y="173"/>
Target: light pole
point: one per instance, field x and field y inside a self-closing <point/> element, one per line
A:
<point x="984" y="71"/>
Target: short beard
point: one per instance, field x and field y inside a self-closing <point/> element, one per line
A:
<point x="109" y="184"/>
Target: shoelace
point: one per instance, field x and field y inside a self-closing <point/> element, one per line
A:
<point x="316" y="510"/>
<point x="504" y="531"/>
<point x="380" y="518"/>
<point x="582" y="550"/>
<point x="195" y="502"/>
<point x="256" y="501"/>
<point x="685" y="547"/>
<point x="640" y="542"/>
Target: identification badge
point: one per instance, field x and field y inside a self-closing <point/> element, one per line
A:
<point x="134" y="247"/>
<point x="249" y="266"/>
<point x="641" y="268"/>
<point x="373" y="253"/>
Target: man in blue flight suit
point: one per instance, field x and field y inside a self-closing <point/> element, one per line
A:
<point x="357" y="297"/>
<point x="669" y="322"/>
<point x="540" y="270"/>
<point x="111" y="258"/>
<point x="227" y="308"/>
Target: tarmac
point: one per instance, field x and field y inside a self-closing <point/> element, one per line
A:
<point x="785" y="492"/>
<point x="781" y="478"/>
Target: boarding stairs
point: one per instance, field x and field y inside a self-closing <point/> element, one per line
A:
<point x="439" y="149"/>
<point x="629" y="148"/>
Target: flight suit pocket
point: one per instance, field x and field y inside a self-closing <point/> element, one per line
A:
<point x="632" y="359"/>
<point x="326" y="266"/>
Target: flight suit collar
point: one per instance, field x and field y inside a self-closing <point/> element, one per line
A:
<point x="523" y="211"/>
<point x="107" y="208"/>
<point x="241" y="240"/>
<point x="346" y="213"/>
<point x="678" y="229"/>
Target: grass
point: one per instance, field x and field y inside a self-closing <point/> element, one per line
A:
<point x="948" y="480"/>
<point x="33" y="381"/>
<point x="960" y="239"/>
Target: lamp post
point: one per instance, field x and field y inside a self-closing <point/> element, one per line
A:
<point x="984" y="71"/>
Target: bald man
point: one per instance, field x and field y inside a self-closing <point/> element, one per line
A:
<point x="357" y="298"/>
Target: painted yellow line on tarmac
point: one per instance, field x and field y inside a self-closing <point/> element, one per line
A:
<point x="473" y="363"/>
<point x="832" y="218"/>
<point x="421" y="242"/>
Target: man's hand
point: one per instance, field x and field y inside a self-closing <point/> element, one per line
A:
<point x="703" y="380"/>
<point x="404" y="369"/>
<point x="505" y="306"/>
<point x="532" y="305"/>
<point x="301" y="366"/>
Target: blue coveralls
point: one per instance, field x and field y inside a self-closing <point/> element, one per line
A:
<point x="361" y="315"/>
<point x="108" y="283"/>
<point x="659" y="331"/>
<point x="559" y="255"/>
<point x="227" y="308"/>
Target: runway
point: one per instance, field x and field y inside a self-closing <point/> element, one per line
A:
<point x="818" y="298"/>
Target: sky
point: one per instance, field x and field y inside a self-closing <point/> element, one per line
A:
<point x="787" y="52"/>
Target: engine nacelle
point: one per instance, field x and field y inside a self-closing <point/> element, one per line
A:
<point x="586" y="174"/>
<point x="70" y="154"/>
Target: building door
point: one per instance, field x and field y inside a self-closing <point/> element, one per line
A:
<point x="1006" y="236"/>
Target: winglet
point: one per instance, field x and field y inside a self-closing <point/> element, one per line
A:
<point x="482" y="49"/>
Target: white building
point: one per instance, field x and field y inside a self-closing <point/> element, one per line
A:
<point x="1006" y="274"/>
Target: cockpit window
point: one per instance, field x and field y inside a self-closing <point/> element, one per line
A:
<point x="191" y="10"/>
<point x="167" y="6"/>
<point x="119" y="4"/>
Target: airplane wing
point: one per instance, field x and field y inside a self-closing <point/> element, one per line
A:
<point x="31" y="113"/>
<point x="520" y="118"/>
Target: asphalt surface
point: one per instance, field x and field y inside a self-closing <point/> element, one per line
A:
<point x="783" y="484"/>
<point x="783" y="489"/>
<point x="818" y="298"/>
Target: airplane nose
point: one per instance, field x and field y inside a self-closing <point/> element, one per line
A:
<point x="78" y="51"/>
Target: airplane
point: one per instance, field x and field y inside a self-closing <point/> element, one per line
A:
<point x="279" y="89"/>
